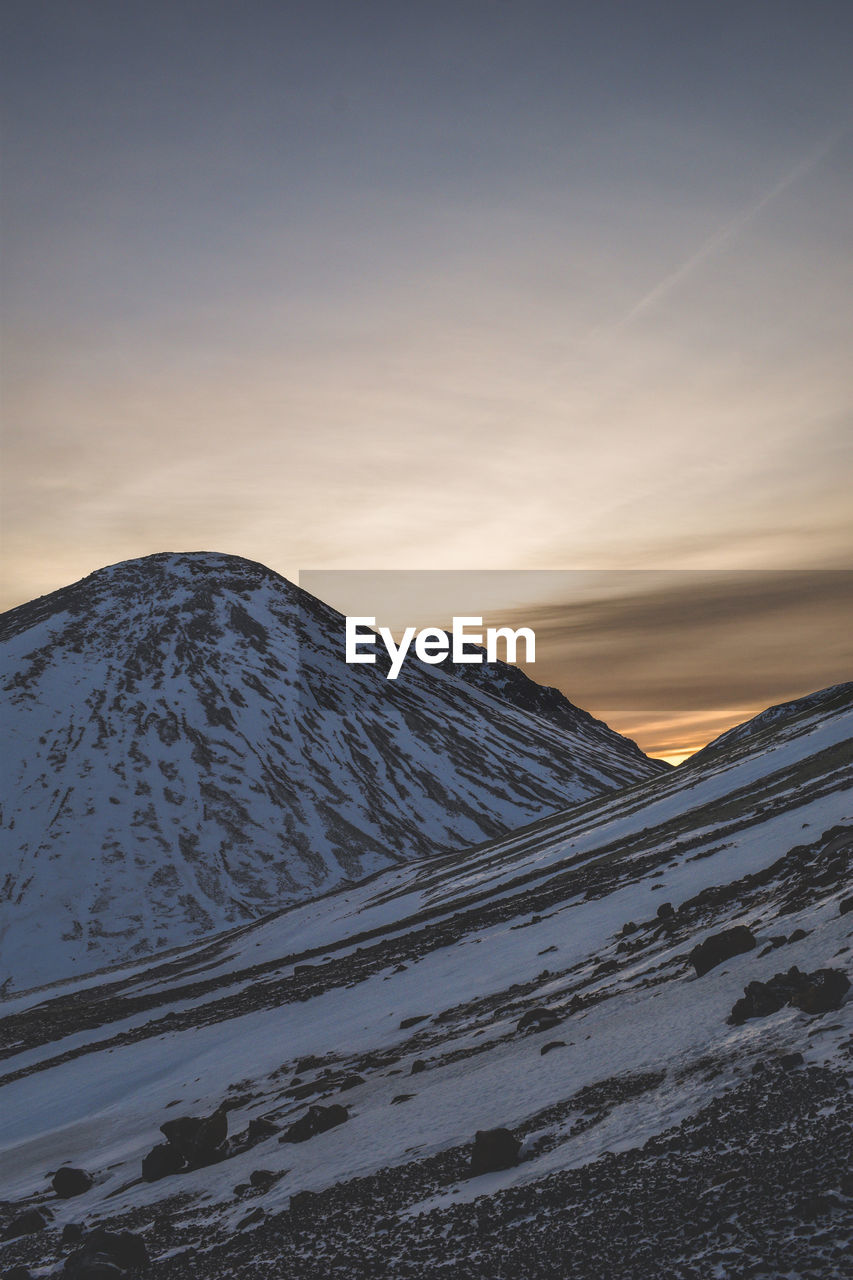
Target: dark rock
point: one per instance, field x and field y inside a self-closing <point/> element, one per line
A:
<point x="845" y="906"/>
<point x="665" y="911"/>
<point x="719" y="947"/>
<point x="26" y="1224"/>
<point x="413" y="1022"/>
<point x="316" y="1120"/>
<point x="540" y="1019"/>
<point x="263" y="1179"/>
<point x="305" y="1090"/>
<point x="161" y="1162"/>
<point x="68" y="1182"/>
<point x="791" y="1060"/>
<point x="798" y="935"/>
<point x="417" y="1067"/>
<point x="813" y="993"/>
<point x="107" y="1253"/>
<point x="628" y="927"/>
<point x="350" y="1082"/>
<point x="18" y="1273"/>
<point x="304" y="1203"/>
<point x="72" y="1233"/>
<point x="493" y="1149"/>
<point x="401" y="1097"/>
<point x="821" y="991"/>
<point x="260" y="1128"/>
<point x="759" y="1000"/>
<point x="552" y="1044"/>
<point x="199" y="1139"/>
<point x="255" y="1215"/>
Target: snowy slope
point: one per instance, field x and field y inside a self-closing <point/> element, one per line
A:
<point x="750" y="733"/>
<point x="185" y="748"/>
<point x="659" y="1139"/>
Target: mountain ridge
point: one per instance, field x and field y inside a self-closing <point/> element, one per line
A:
<point x="190" y="751"/>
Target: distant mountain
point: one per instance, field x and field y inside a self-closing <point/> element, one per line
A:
<point x="186" y="748"/>
<point x="765" y="725"/>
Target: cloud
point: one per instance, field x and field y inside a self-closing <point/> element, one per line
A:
<point x="729" y="231"/>
<point x="671" y="658"/>
<point x="674" y="658"/>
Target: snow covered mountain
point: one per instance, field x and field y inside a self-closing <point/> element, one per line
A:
<point x="640" y="1005"/>
<point x="751" y="732"/>
<point x="186" y="748"/>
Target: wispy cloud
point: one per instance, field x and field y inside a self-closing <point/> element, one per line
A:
<point x="727" y="233"/>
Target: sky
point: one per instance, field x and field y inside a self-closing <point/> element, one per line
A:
<point x="479" y="285"/>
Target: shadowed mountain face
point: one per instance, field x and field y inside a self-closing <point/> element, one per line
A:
<point x="188" y="749"/>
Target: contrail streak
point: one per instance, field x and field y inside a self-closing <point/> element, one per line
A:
<point x="728" y="232"/>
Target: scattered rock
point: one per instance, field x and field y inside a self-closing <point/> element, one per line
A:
<point x="413" y="1022"/>
<point x="300" y="1091"/>
<point x="821" y="991"/>
<point x="493" y="1149"/>
<point x="350" y="1082"/>
<point x="759" y="1000"/>
<point x="719" y="947"/>
<point x="540" y="1019"/>
<point x="26" y="1224"/>
<point x="304" y="1203"/>
<point x="68" y="1182"/>
<point x="813" y="993"/>
<point x="107" y="1253"/>
<point x="162" y="1161"/>
<point x="260" y="1128"/>
<point x="200" y="1140"/>
<point x="316" y="1120"/>
<point x="254" y="1215"/>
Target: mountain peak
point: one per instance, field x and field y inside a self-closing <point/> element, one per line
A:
<point x="189" y="750"/>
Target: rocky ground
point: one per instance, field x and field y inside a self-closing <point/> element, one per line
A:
<point x="617" y="1044"/>
<point x="757" y="1184"/>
